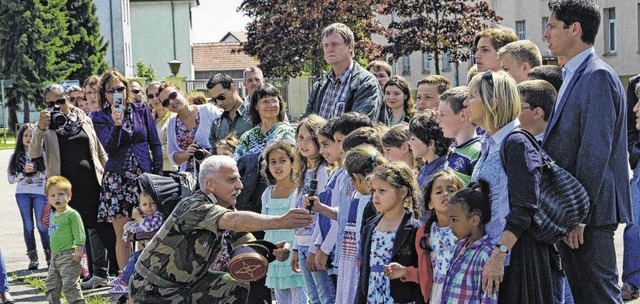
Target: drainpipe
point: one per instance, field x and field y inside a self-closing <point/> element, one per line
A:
<point x="113" y="50"/>
<point x="173" y="24"/>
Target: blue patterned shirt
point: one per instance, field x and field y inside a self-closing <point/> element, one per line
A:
<point x="254" y="141"/>
<point x="335" y="98"/>
<point x="464" y="279"/>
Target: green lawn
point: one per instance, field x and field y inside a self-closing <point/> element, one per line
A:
<point x="11" y="140"/>
<point x="38" y="282"/>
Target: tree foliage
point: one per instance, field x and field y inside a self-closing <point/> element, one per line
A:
<point x="34" y="40"/>
<point x="146" y="70"/>
<point x="286" y="35"/>
<point x="89" y="50"/>
<point x="436" y="27"/>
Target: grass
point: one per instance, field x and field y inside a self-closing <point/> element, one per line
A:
<point x="38" y="282"/>
<point x="11" y="140"/>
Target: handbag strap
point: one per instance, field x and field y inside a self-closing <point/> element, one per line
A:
<point x="545" y="157"/>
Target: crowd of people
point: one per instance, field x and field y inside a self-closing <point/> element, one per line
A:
<point x="372" y="197"/>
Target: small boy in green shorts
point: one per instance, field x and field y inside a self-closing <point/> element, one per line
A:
<point x="67" y="239"/>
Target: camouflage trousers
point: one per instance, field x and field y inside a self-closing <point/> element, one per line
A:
<point x="64" y="276"/>
<point x="211" y="288"/>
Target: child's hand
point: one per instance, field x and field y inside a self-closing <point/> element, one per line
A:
<point x="294" y="262"/>
<point x="135" y="214"/>
<point x="394" y="271"/>
<point x="282" y="251"/>
<point x="77" y="256"/>
<point x="309" y="200"/>
<point x="321" y="259"/>
<point x="28" y="167"/>
<point x="310" y="263"/>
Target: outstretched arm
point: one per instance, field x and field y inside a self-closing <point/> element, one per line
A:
<point x="251" y="221"/>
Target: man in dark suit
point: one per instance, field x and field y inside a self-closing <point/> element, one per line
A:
<point x="587" y="135"/>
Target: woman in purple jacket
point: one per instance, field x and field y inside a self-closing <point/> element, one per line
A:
<point x="127" y="134"/>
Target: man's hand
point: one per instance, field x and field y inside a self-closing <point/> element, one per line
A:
<point x="575" y="238"/>
<point x="394" y="271"/>
<point x="294" y="262"/>
<point x="296" y="218"/>
<point x="493" y="272"/>
<point x="282" y="253"/>
<point x="321" y="259"/>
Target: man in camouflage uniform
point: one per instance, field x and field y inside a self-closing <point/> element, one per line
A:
<point x="173" y="268"/>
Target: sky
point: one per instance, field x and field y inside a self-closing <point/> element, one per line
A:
<point x="214" y="18"/>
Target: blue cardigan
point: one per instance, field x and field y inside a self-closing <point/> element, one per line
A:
<point x="116" y="141"/>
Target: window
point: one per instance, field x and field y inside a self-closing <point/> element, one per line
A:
<point x="406" y="64"/>
<point x="426" y="63"/>
<point x="446" y="64"/>
<point x="610" y="30"/>
<point x="521" y="31"/>
<point x="545" y="21"/>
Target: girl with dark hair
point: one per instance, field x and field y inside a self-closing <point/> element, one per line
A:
<point x="399" y="105"/>
<point x="30" y="176"/>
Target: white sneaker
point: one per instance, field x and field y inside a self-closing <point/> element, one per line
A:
<point x="119" y="289"/>
<point x="94" y="282"/>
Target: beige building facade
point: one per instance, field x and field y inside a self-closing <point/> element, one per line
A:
<point x="617" y="42"/>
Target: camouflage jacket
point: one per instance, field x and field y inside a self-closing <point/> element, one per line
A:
<point x="182" y="250"/>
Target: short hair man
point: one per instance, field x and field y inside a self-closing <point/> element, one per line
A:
<point x="429" y="90"/>
<point x="587" y="136"/>
<point x="518" y="57"/>
<point x="173" y="266"/>
<point x="536" y="102"/>
<point x="381" y="70"/>
<point x="236" y="117"/>
<point x="347" y="87"/>
<point x="253" y="78"/>
<point x="488" y="42"/>
<point x="137" y="91"/>
<point x="550" y="73"/>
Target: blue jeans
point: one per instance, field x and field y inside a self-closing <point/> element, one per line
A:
<point x="631" y="238"/>
<point x="29" y="204"/>
<point x="319" y="286"/>
<point x="4" y="282"/>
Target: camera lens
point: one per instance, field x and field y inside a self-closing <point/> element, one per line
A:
<point x="199" y="154"/>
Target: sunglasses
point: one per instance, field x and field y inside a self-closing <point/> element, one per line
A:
<point x="119" y="89"/>
<point x="220" y="97"/>
<point x="73" y="98"/>
<point x="136" y="91"/>
<point x="488" y="76"/>
<point x="60" y="101"/>
<point x="172" y="96"/>
<point x="152" y="96"/>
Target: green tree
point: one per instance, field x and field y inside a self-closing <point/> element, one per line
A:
<point x="436" y="27"/>
<point x="286" y="35"/>
<point x="146" y="70"/>
<point x="33" y="42"/>
<point x="89" y="50"/>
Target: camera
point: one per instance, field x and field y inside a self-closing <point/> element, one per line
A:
<point x="58" y="119"/>
<point x="199" y="154"/>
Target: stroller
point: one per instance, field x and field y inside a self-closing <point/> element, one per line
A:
<point x="168" y="190"/>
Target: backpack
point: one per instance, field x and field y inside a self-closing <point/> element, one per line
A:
<point x="167" y="191"/>
<point x="563" y="202"/>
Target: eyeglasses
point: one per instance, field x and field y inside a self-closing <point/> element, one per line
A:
<point x="52" y="103"/>
<point x="266" y="101"/>
<point x="173" y="95"/>
<point x="136" y="91"/>
<point x="90" y="93"/>
<point x="73" y="98"/>
<point x="152" y="96"/>
<point x="526" y="107"/>
<point x="488" y="76"/>
<point x="120" y="89"/>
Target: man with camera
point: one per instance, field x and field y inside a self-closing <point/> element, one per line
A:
<point x="65" y="137"/>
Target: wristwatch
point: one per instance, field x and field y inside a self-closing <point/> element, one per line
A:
<point x="502" y="248"/>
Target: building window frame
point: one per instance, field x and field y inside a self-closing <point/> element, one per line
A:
<point x="521" y="29"/>
<point x="610" y="29"/>
<point x="406" y="65"/>
<point x="426" y="63"/>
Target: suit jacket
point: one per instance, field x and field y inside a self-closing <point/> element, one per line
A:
<point x="365" y="95"/>
<point x="587" y="136"/>
<point x="633" y="136"/>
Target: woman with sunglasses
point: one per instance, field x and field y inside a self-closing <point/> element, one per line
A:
<point x="71" y="149"/>
<point x="188" y="131"/>
<point x="76" y="94"/>
<point x="161" y="116"/>
<point x="129" y="136"/>
<point x="518" y="265"/>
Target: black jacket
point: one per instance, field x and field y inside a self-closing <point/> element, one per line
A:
<point x="404" y="253"/>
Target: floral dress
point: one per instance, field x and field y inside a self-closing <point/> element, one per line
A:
<point x="442" y="242"/>
<point x="254" y="140"/>
<point x="381" y="250"/>
<point x="185" y="139"/>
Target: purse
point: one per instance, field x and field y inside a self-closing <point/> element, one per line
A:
<point x="563" y="202"/>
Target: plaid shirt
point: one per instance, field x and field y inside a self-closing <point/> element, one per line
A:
<point x="335" y="98"/>
<point x="464" y="278"/>
<point x="152" y="222"/>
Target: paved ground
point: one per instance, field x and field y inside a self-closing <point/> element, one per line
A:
<point x="14" y="250"/>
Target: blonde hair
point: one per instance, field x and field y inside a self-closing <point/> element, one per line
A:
<point x="398" y="175"/>
<point x="523" y="51"/>
<point x="59" y="182"/>
<point x="500" y="101"/>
